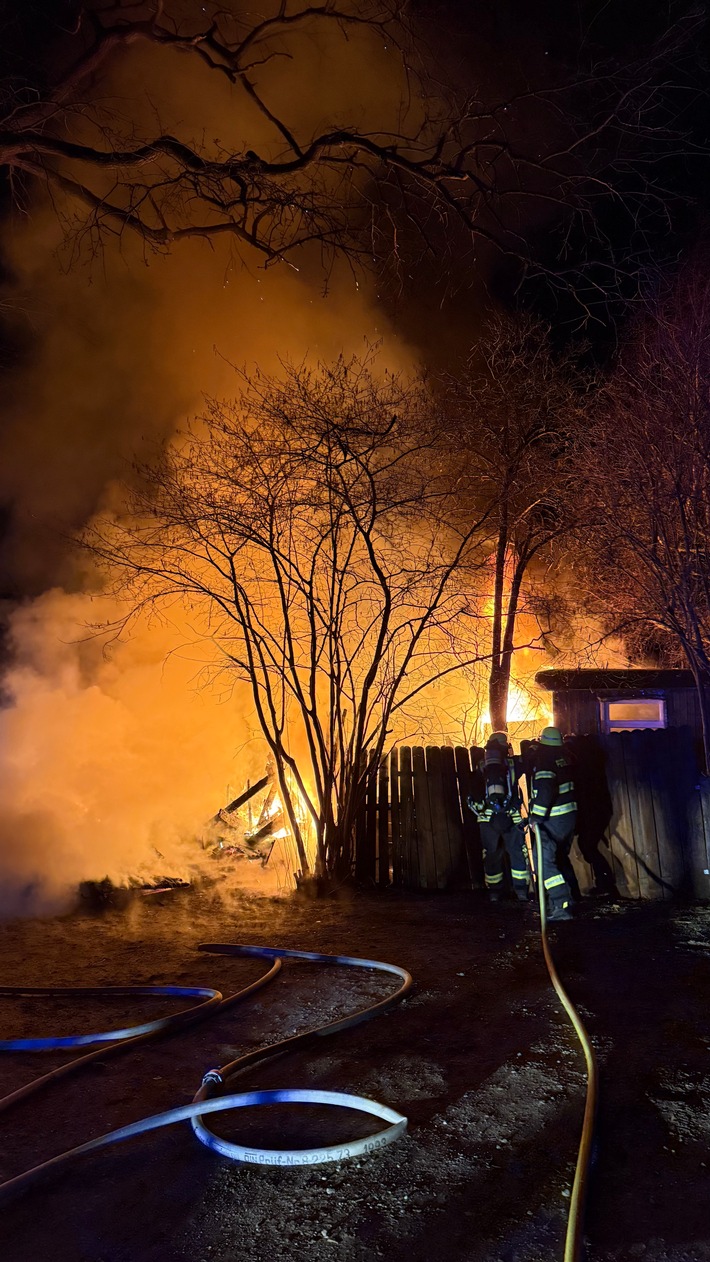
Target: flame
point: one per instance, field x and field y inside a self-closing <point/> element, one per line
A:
<point x="273" y="809"/>
<point x="526" y="705"/>
<point x="527" y="709"/>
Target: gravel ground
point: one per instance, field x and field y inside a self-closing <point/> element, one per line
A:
<point x="480" y="1057"/>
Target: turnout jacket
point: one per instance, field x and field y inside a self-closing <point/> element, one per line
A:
<point x="498" y="792"/>
<point x="552" y="793"/>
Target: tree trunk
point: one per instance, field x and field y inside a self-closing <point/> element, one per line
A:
<point x="498" y="697"/>
<point x="500" y="679"/>
<point x="501" y="663"/>
<point x="497" y="683"/>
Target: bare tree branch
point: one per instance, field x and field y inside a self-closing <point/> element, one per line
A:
<point x="441" y="164"/>
<point x="644" y="557"/>
<point x="318" y="534"/>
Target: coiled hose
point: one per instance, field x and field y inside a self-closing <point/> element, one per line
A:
<point x="575" y="1222"/>
<point x="208" y="1098"/>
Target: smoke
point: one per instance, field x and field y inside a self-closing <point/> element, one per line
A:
<point x="111" y="765"/>
<point x="113" y="757"/>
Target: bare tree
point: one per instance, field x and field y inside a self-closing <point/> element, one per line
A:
<point x="645" y="462"/>
<point x="316" y="533"/>
<point x="441" y="163"/>
<point x="514" y="410"/>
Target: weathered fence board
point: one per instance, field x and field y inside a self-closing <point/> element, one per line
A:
<point x="409" y="839"/>
<point x="361" y="826"/>
<point x="699" y="831"/>
<point x="370" y="857"/>
<point x="583" y="870"/>
<point x="638" y="754"/>
<point x="692" y="787"/>
<point x="425" y="831"/>
<point x="458" y="875"/>
<point x="395" y="819"/>
<point x="621" y="826"/>
<point x="437" y="810"/>
<point x="470" y="830"/>
<point x="666" y="753"/>
<point x="383" y="849"/>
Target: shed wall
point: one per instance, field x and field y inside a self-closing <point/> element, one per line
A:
<point x="578" y="710"/>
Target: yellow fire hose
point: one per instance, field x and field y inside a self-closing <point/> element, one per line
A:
<point x="575" y="1221"/>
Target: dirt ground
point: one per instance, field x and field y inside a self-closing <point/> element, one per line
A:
<point x="480" y="1058"/>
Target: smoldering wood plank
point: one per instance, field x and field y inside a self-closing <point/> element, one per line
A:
<point x="243" y="798"/>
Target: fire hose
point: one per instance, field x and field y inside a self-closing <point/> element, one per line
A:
<point x="575" y="1221"/>
<point x="209" y="1098"/>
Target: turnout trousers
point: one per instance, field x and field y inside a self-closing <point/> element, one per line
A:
<point x="500" y="838"/>
<point x="556" y="836"/>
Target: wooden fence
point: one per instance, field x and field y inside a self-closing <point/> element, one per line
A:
<point x="415" y="831"/>
<point x="658" y="836"/>
<point x="414" y="828"/>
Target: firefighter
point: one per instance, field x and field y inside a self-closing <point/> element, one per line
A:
<point x="497" y="809"/>
<point x="553" y="807"/>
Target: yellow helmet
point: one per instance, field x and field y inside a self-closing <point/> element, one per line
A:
<point x="550" y="736"/>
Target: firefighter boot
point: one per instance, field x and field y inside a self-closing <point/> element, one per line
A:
<point x="520" y="884"/>
<point x="558" y="909"/>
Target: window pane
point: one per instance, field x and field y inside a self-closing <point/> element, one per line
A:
<point x="635" y="711"/>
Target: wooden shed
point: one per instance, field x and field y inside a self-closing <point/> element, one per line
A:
<point x="600" y="702"/>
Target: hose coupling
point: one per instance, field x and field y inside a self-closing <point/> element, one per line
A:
<point x="212" y="1075"/>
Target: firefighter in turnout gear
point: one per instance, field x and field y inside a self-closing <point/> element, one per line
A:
<point x="553" y="807"/>
<point x="497" y="809"/>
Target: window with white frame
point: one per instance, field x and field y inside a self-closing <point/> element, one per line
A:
<point x="633" y="713"/>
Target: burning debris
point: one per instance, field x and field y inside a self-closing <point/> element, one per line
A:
<point x="99" y="894"/>
<point x="248" y="830"/>
<point x="252" y="829"/>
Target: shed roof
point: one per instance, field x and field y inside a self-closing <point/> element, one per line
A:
<point x="612" y="679"/>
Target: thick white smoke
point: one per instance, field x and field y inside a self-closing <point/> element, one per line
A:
<point x="111" y="765"/>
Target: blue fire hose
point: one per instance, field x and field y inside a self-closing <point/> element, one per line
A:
<point x="209" y="1098"/>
